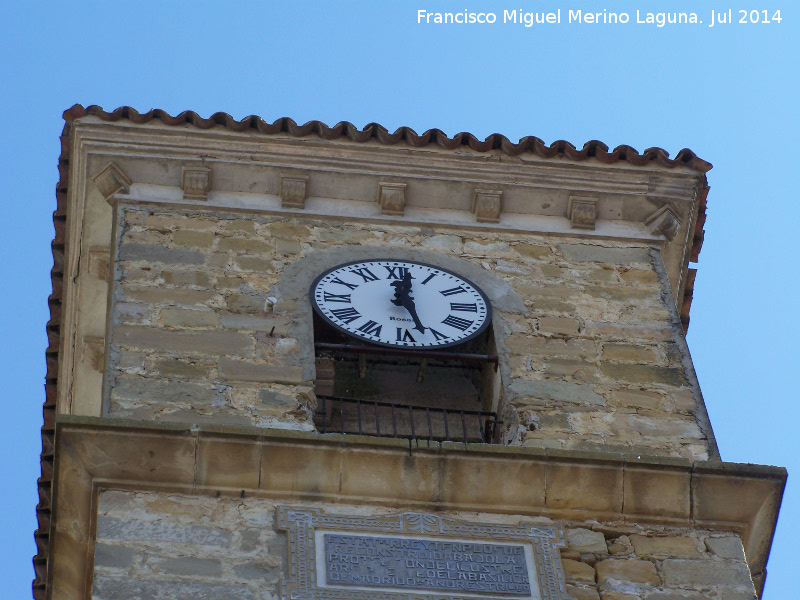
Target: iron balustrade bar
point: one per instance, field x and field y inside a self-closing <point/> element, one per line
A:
<point x="328" y="411"/>
<point x="463" y="356"/>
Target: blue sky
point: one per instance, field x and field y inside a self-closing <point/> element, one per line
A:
<point x="728" y="92"/>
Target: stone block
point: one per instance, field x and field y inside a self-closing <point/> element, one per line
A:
<point x="190" y="342"/>
<point x="350" y="236"/>
<point x="179" y="317"/>
<point x="298" y="467"/>
<point x="288" y="230"/>
<point x="278" y="399"/>
<point x="563" y="391"/>
<point x="666" y="495"/>
<point x="250" y="539"/>
<point x="661" y="547"/>
<point x="620" y="293"/>
<point x="639" y="399"/>
<point x="195" y="239"/>
<point x="617" y="595"/>
<point x="112" y="588"/>
<point x="580" y="487"/>
<point x="579" y="593"/>
<point x="541" y="346"/>
<point x="628" y="332"/>
<point x="227" y="463"/>
<point x="726" y="547"/>
<point x="246" y="303"/>
<point x="601" y="254"/>
<point x="586" y="540"/>
<point x="168" y="296"/>
<point x="278" y="326"/>
<point x="190" y="566"/>
<point x="152" y="253"/>
<point x="179" y="278"/>
<point x="626" y="571"/>
<point x="533" y="251"/>
<point x="629" y="353"/>
<point x="678" y="571"/>
<point x="246" y="225"/>
<point x="576" y="571"/>
<point x="112" y="528"/>
<point x="675" y="595"/>
<point x="151" y="391"/>
<point x="175" y="367"/>
<point x="113" y="556"/>
<point x="643" y="276"/>
<point x="254" y="264"/>
<point x="287" y="246"/>
<point x="257" y="570"/>
<point x="239" y="370"/>
<point x="248" y="245"/>
<point x="559" y="326"/>
<point x="644" y="373"/>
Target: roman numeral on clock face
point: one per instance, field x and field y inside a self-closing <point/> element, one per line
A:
<point x="328" y="297"/>
<point x="453" y="291"/>
<point x="403" y="335"/>
<point x="352" y="286"/>
<point x="464" y="307"/>
<point x="348" y="315"/>
<point x="371" y="328"/>
<point x="457" y="322"/>
<point x="365" y="274"/>
<point x="396" y="272"/>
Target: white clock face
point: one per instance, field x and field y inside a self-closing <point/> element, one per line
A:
<point x="401" y="303"/>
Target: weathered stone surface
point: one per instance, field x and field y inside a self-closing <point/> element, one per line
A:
<point x="563" y="391"/>
<point x="726" y="547"/>
<point x="261" y="372"/>
<point x="673" y="547"/>
<point x="627" y="571"/>
<point x="618" y="256"/>
<point x="287" y="229"/>
<point x="617" y="595"/>
<point x="644" y="373"/>
<point x="178" y="317"/>
<point x="168" y="296"/>
<point x="628" y="332"/>
<point x="639" y="399"/>
<point x="111" y="528"/>
<point x="254" y="264"/>
<point x="639" y="276"/>
<point x="579" y="593"/>
<point x="159" y="254"/>
<point x="113" y="556"/>
<point x="443" y="242"/>
<point x="246" y="303"/>
<point x="705" y="572"/>
<point x="198" y="278"/>
<point x="164" y="392"/>
<point x="197" y="239"/>
<point x="616" y="293"/>
<point x="181" y="368"/>
<point x="106" y="588"/>
<point x="675" y="595"/>
<point x="585" y="540"/>
<point x="248" y="245"/>
<point x="352" y="236"/>
<point x="187" y="565"/>
<point x="277" y="398"/>
<point x="257" y="570"/>
<point x="204" y="342"/>
<point x="578" y="571"/>
<point x="629" y="353"/>
<point x="542" y="346"/>
<point x="559" y="326"/>
<point x="287" y="246"/>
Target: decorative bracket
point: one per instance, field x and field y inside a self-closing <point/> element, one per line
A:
<point x="294" y="191"/>
<point x="664" y="221"/>
<point x="486" y="205"/>
<point x="392" y="198"/>
<point x="195" y="182"/>
<point x="112" y="180"/>
<point x="582" y="212"/>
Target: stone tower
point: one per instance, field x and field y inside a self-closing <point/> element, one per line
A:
<point x="329" y="363"/>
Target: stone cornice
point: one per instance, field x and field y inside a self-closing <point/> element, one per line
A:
<point x="95" y="454"/>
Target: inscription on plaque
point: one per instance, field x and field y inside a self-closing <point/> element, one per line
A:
<point x="425" y="564"/>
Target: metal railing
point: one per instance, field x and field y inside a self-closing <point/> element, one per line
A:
<point x="385" y="419"/>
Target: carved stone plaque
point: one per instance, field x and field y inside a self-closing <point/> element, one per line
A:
<point x="418" y="556"/>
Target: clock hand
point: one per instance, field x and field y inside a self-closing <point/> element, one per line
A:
<point x="403" y="298"/>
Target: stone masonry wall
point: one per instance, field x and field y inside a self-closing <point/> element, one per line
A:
<point x="592" y="356"/>
<point x="160" y="546"/>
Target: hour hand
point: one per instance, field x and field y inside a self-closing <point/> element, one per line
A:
<point x="402" y="297"/>
<point x="408" y="303"/>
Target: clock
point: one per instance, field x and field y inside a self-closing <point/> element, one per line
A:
<point x="401" y="303"/>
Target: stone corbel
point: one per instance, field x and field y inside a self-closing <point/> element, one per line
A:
<point x="294" y="191"/>
<point x="99" y="262"/>
<point x="582" y="212"/>
<point x="392" y="198"/>
<point x="486" y="205"/>
<point x="195" y="182"/>
<point x="664" y="221"/>
<point x="112" y="180"/>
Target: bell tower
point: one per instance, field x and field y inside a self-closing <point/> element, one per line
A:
<point x="296" y="361"/>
